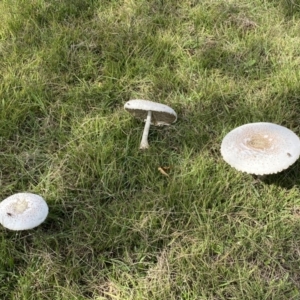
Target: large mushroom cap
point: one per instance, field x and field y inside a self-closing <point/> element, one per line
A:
<point x="161" y="113"/>
<point x="23" y="211"/>
<point x="260" y="148"/>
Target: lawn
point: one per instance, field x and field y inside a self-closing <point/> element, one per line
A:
<point x="118" y="228"/>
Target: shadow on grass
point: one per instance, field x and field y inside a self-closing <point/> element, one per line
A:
<point x="286" y="179"/>
<point x="290" y="8"/>
<point x="252" y="61"/>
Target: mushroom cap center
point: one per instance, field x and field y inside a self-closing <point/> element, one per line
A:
<point x="20" y="206"/>
<point x="259" y="142"/>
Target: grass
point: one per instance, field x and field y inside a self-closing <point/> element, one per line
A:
<point x="117" y="227"/>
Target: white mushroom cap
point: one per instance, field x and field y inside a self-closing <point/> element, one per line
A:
<point x="23" y="211"/>
<point x="260" y="148"/>
<point x="161" y="113"/>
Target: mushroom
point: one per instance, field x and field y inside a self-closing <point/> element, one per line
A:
<point x="260" y="148"/>
<point x="152" y="113"/>
<point x="23" y="211"/>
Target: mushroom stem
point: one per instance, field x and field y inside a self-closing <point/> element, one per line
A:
<point x="144" y="142"/>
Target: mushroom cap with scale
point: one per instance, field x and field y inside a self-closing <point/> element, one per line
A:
<point x="23" y="211"/>
<point x="260" y="148"/>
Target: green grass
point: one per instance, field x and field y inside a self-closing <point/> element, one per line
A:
<point x="117" y="227"/>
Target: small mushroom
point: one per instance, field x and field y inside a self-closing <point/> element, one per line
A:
<point x="23" y="211"/>
<point x="152" y="113"/>
<point x="260" y="148"/>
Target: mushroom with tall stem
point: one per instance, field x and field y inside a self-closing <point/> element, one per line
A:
<point x="152" y="113"/>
